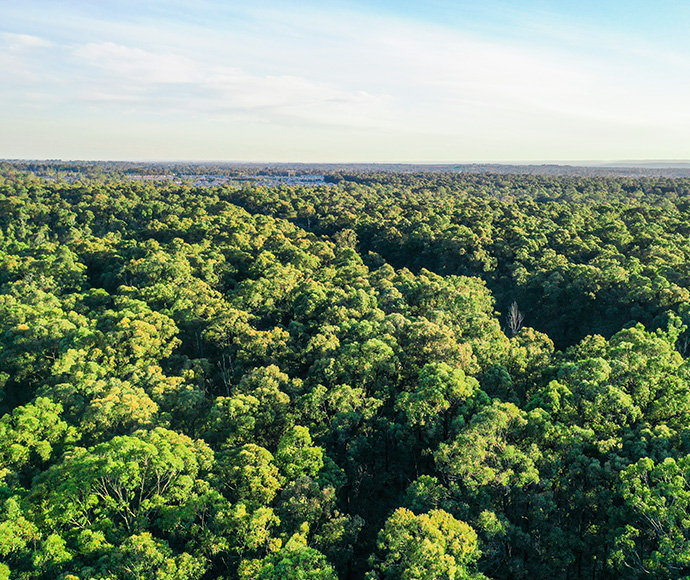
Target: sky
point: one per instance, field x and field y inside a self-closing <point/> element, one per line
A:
<point x="377" y="81"/>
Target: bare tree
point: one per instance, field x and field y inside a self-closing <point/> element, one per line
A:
<point x="515" y="318"/>
<point x="227" y="370"/>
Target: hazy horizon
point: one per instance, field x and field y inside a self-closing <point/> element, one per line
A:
<point x="502" y="82"/>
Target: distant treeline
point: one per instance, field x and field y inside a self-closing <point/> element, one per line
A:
<point x="114" y="170"/>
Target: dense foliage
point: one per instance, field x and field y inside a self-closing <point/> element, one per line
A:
<point x="315" y="382"/>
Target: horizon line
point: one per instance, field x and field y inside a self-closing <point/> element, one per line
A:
<point x="626" y="163"/>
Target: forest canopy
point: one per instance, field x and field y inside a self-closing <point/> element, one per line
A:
<point x="381" y="375"/>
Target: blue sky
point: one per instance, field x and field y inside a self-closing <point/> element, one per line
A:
<point x="331" y="81"/>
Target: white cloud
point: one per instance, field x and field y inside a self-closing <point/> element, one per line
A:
<point x="294" y="98"/>
<point x="22" y="42"/>
<point x="137" y="65"/>
<point x="20" y="56"/>
<point x="154" y="82"/>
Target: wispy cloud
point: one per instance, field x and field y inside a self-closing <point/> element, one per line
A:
<point x="20" y="57"/>
<point x="135" y="65"/>
<point x="114" y="75"/>
<point x="23" y="42"/>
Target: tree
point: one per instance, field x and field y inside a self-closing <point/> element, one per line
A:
<point x="250" y="474"/>
<point x="294" y="561"/>
<point x="440" y="389"/>
<point x="121" y="486"/>
<point x="433" y="546"/>
<point x="491" y="452"/>
<point x="515" y="318"/>
<point x="656" y="541"/>
<point x="143" y="557"/>
<point x="296" y="456"/>
<point x="29" y="436"/>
